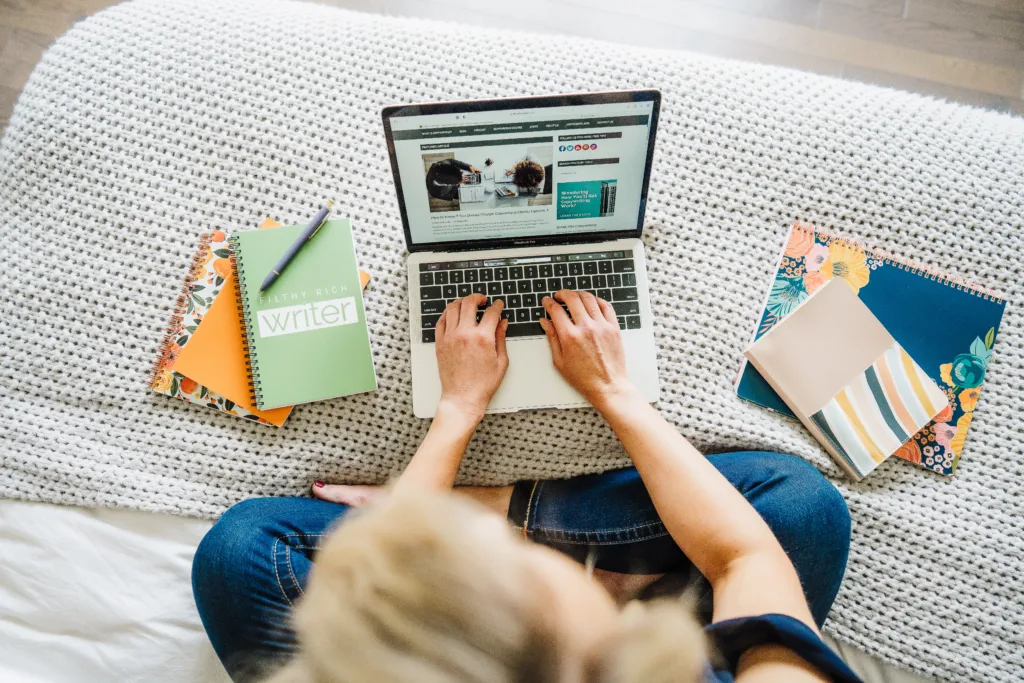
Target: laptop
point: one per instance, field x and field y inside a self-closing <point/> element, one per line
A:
<point x="516" y="199"/>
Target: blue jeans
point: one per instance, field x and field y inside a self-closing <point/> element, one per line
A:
<point x="252" y="565"/>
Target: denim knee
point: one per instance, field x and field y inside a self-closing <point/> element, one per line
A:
<point x="240" y="545"/>
<point x="229" y="544"/>
<point x="812" y="494"/>
<point x="818" y="490"/>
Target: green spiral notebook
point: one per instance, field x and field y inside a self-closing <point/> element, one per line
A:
<point x="306" y="334"/>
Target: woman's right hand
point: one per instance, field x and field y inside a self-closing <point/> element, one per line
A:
<point x="587" y="349"/>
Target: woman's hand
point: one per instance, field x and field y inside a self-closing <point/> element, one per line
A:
<point x="587" y="349"/>
<point x="471" y="356"/>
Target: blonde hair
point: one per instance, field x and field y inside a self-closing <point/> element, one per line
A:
<point x="415" y="590"/>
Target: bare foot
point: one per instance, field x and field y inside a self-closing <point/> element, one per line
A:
<point x="355" y="496"/>
<point x="494" y="497"/>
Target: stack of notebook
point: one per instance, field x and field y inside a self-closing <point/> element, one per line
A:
<point x="876" y="356"/>
<point x="255" y="354"/>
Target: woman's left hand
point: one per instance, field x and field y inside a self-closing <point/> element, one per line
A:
<point x="471" y="356"/>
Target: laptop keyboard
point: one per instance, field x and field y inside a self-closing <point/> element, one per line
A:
<point x="523" y="282"/>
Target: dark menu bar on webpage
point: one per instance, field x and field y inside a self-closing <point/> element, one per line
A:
<point x="482" y="143"/>
<point x="524" y="127"/>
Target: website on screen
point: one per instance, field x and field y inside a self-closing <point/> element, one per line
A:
<point x="522" y="172"/>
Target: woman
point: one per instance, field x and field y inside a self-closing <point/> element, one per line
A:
<point x="426" y="587"/>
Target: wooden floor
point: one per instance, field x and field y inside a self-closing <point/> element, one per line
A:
<point x="969" y="51"/>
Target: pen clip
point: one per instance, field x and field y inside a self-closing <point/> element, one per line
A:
<point x="330" y="203"/>
<point x="313" y="234"/>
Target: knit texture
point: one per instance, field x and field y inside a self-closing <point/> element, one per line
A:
<point x="158" y="119"/>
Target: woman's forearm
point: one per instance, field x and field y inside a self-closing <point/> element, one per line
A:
<point x="721" y="533"/>
<point x="436" y="462"/>
<point x="710" y="521"/>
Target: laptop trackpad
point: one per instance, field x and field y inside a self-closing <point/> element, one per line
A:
<point x="532" y="380"/>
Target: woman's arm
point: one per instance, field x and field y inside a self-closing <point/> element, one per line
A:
<point x="472" y="361"/>
<point x="711" y="522"/>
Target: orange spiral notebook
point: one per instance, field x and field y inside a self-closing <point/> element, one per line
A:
<point x="205" y="279"/>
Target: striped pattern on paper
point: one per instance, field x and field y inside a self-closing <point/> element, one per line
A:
<point x="880" y="410"/>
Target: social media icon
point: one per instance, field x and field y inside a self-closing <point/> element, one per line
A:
<point x="593" y="145"/>
<point x="561" y="148"/>
<point x="586" y="148"/>
<point x="578" y="148"/>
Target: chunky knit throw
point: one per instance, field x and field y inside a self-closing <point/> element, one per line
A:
<point x="158" y="119"/>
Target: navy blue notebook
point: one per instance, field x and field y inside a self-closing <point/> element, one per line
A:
<point x="946" y="326"/>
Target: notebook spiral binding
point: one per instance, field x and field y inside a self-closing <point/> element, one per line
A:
<point x="255" y="392"/>
<point x="915" y="267"/>
<point x="166" y="347"/>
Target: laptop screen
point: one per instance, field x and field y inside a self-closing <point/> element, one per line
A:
<point x="533" y="173"/>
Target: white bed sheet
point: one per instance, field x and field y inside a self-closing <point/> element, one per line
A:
<point x="90" y="596"/>
<point x="97" y="595"/>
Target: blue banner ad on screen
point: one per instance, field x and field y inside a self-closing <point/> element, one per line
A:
<point x="586" y="199"/>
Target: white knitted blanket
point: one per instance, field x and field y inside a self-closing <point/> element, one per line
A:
<point x="157" y="119"/>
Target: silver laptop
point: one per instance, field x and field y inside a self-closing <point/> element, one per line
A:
<point x="516" y="199"/>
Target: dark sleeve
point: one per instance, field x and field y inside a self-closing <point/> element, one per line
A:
<point x="443" y="179"/>
<point x="734" y="637"/>
<point x="447" y="171"/>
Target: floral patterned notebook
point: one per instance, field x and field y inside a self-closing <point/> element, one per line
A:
<point x="948" y="326"/>
<point x="210" y="266"/>
<point x="860" y="394"/>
